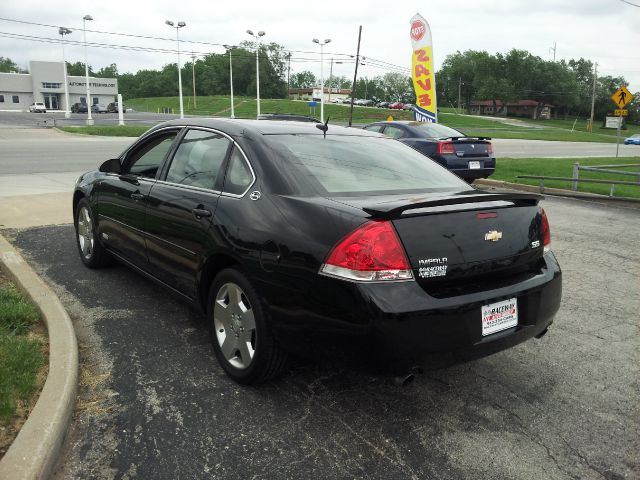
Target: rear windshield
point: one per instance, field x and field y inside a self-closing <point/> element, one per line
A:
<point x="355" y="165"/>
<point x="435" y="130"/>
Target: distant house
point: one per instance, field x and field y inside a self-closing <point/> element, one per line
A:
<point x="314" y="93"/>
<point x="519" y="108"/>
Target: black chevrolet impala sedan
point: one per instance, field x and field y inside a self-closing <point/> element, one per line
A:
<point x="284" y="230"/>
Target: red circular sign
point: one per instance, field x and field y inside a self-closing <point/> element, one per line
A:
<point x="417" y="30"/>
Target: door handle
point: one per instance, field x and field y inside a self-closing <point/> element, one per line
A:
<point x="201" y="212"/>
<point x="137" y="196"/>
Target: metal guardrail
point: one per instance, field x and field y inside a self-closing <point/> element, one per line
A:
<point x="613" y="183"/>
<point x="602" y="169"/>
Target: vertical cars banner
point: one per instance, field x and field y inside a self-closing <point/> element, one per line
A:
<point x="422" y="74"/>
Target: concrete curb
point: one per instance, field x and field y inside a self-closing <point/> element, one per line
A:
<point x="555" y="191"/>
<point x="37" y="447"/>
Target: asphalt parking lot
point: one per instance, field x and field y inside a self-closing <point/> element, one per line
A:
<point x="154" y="404"/>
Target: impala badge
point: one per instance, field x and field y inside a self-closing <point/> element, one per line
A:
<point x="493" y="236"/>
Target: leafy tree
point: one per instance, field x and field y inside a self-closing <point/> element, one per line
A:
<point x="304" y="79"/>
<point x="110" y="71"/>
<point x="77" y="69"/>
<point x="7" y="66"/>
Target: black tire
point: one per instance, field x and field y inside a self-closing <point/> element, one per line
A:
<point x="232" y="343"/>
<point x="91" y="251"/>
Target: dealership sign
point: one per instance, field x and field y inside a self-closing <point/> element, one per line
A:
<point x="422" y="74"/>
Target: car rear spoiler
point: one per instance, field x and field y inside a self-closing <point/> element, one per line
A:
<point x="454" y="139"/>
<point x="391" y="210"/>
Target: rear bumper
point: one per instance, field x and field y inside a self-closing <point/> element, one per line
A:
<point x="401" y="321"/>
<point x="469" y="174"/>
<point x="460" y="166"/>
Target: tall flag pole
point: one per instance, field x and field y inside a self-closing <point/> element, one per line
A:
<point x="422" y="74"/>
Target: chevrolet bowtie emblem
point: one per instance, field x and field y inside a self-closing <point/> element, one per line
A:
<point x="493" y="236"/>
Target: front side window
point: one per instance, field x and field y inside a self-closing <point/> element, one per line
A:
<point x="146" y="160"/>
<point x="239" y="177"/>
<point x="356" y="166"/>
<point x="199" y="159"/>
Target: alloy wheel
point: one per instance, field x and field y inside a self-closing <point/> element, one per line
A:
<point x="85" y="232"/>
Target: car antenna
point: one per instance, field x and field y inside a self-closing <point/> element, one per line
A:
<point x="324" y="127"/>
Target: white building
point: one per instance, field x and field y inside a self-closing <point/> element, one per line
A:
<point x="45" y="84"/>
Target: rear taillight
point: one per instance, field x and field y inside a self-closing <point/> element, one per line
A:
<point x="371" y="253"/>
<point x="489" y="149"/>
<point x="546" y="232"/>
<point x="445" y="147"/>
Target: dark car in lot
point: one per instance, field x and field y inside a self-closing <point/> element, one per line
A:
<point x="113" y="107"/>
<point x="282" y="231"/>
<point x="468" y="157"/>
<point x="79" y="108"/>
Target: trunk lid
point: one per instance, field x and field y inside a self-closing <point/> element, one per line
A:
<point x="466" y="242"/>
<point x="471" y="147"/>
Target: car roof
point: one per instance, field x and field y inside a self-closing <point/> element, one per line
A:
<point x="272" y="127"/>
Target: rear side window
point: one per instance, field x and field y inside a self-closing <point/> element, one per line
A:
<point x="239" y="177"/>
<point x="435" y="130"/>
<point x="199" y="158"/>
<point x="353" y="165"/>
<point x="393" y="132"/>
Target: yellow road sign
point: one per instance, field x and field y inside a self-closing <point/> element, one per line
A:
<point x="622" y="97"/>
<point x="620" y="113"/>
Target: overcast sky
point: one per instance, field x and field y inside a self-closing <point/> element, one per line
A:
<point x="604" y="31"/>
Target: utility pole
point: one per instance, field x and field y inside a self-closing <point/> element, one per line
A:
<point x="355" y="75"/>
<point x="554" y="51"/>
<point x="193" y="73"/>
<point x="288" y="72"/>
<point x="330" y="79"/>
<point x="593" y="96"/>
<point x="459" y="93"/>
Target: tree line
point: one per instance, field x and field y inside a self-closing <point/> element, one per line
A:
<point x="518" y="75"/>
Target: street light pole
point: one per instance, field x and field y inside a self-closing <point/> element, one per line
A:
<point x="193" y="77"/>
<point x="65" y="31"/>
<point x="178" y="27"/>
<point x="330" y="79"/>
<point x="261" y="33"/>
<point x="86" y="68"/>
<point x="229" y="47"/>
<point x="593" y="96"/>
<point x="322" y="44"/>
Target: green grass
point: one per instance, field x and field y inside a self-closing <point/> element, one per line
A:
<point x="21" y="355"/>
<point x="109" y="130"/>
<point x="555" y="130"/>
<point x="245" y="107"/>
<point x="508" y="168"/>
<point x="540" y="134"/>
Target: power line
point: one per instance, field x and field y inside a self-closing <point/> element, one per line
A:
<point x="148" y="37"/>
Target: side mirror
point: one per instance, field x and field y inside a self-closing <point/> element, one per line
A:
<point x="111" y="166"/>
